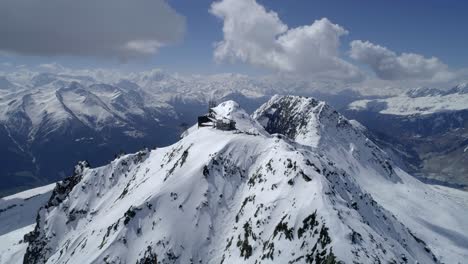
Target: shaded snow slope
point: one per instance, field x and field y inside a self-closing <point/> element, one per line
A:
<point x="231" y="197"/>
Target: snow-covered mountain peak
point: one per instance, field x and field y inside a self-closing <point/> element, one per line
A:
<point x="316" y="124"/>
<point x="227" y="109"/>
<point x="463" y="85"/>
<point x="237" y="197"/>
<point x="423" y="91"/>
<point x="234" y="197"/>
<point x="230" y="110"/>
<point x="292" y="116"/>
<point x="461" y="89"/>
<point x="303" y="119"/>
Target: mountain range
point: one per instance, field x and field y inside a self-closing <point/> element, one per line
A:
<point x="295" y="182"/>
<point x="50" y="121"/>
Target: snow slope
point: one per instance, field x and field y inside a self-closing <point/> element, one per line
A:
<point x="17" y="217"/>
<point x="318" y="192"/>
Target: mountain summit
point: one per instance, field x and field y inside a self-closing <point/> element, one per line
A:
<point x="294" y="183"/>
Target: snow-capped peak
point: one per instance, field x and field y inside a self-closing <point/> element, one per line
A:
<point x="316" y="124"/>
<point x="231" y="197"/>
<point x="423" y="91"/>
<point x="231" y="110"/>
<point x="292" y="116"/>
<point x="460" y="89"/>
<point x="305" y="120"/>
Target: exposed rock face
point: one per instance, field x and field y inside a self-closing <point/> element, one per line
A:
<point x="38" y="248"/>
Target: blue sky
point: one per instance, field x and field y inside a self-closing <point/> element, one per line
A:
<point x="429" y="28"/>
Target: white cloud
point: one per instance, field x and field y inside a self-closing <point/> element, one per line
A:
<point x="257" y="36"/>
<point x="112" y="28"/>
<point x="387" y="65"/>
<point x="143" y="46"/>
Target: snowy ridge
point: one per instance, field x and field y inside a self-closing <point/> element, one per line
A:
<point x="237" y="196"/>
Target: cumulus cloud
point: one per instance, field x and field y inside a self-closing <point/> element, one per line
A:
<point x="388" y="65"/>
<point x="257" y="36"/>
<point x="112" y="28"/>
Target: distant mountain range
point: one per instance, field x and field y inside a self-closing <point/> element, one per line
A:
<point x="58" y="120"/>
<point x="295" y="182"/>
<point x="426" y="128"/>
<point x="49" y="121"/>
<point x="419" y="101"/>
